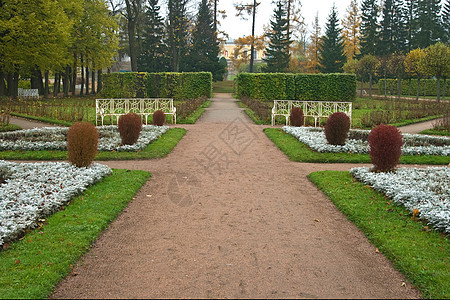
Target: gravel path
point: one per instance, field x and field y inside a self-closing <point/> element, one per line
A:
<point x="227" y="215"/>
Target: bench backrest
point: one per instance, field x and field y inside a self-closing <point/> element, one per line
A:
<point x="34" y="93"/>
<point x="133" y="105"/>
<point x="312" y="108"/>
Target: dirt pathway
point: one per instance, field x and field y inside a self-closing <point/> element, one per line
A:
<point x="227" y="215"/>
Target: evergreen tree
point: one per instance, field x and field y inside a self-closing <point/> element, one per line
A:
<point x="428" y="23"/>
<point x="332" y="58"/>
<point x="446" y="21"/>
<point x="177" y="32"/>
<point x="278" y="55"/>
<point x="203" y="55"/>
<point x="393" y="31"/>
<point x="369" y="27"/>
<point x="410" y="23"/>
<point x="153" y="55"/>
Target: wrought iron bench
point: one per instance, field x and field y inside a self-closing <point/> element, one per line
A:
<point x="28" y="93"/>
<point x="315" y="109"/>
<point x="141" y="106"/>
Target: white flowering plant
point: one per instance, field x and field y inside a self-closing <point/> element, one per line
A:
<point x="414" y="144"/>
<point x="54" y="138"/>
<point x="32" y="191"/>
<point x="425" y="190"/>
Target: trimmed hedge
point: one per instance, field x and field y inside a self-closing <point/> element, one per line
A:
<point x="428" y="87"/>
<point x="179" y="86"/>
<point x="285" y="86"/>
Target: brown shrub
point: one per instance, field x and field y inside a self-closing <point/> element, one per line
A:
<point x="159" y="118"/>
<point x="296" y="117"/>
<point x="336" y="129"/>
<point x="129" y="126"/>
<point x="385" y="143"/>
<point x="82" y="142"/>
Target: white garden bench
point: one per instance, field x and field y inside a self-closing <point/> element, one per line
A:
<point x="141" y="106"/>
<point x="28" y="93"/>
<point x="315" y="109"/>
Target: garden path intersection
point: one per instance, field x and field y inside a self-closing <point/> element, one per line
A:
<point x="227" y="215"/>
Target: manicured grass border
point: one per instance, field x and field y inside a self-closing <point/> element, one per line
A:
<point x="158" y="149"/>
<point x="196" y="114"/>
<point x="32" y="266"/>
<point x="252" y="115"/>
<point x="435" y="132"/>
<point x="44" y="119"/>
<point x="297" y="151"/>
<point x="9" y="127"/>
<point x="419" y="253"/>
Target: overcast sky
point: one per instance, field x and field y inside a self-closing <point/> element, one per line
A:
<point x="236" y="27"/>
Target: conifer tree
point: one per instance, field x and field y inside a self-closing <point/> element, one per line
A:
<point x="410" y="23"/>
<point x="369" y="27"/>
<point x="351" y="30"/>
<point x="446" y="21"/>
<point x="332" y="58"/>
<point x="393" y="32"/>
<point x="153" y="54"/>
<point x="429" y="29"/>
<point x="278" y="55"/>
<point x="177" y="32"/>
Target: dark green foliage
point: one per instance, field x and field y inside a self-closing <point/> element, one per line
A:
<point x="179" y="86"/>
<point x="153" y="52"/>
<point x="204" y="52"/>
<point x="177" y="26"/>
<point x="369" y="27"/>
<point x="429" y="30"/>
<point x="278" y="55"/>
<point x="82" y="142"/>
<point x="336" y="129"/>
<point x="428" y="87"/>
<point x="284" y="86"/>
<point x="385" y="143"/>
<point x="446" y="21"/>
<point x="393" y="32"/>
<point x="331" y="47"/>
<point x="159" y="118"/>
<point x="129" y="126"/>
<point x="296" y="117"/>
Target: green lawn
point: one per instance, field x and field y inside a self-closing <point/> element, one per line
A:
<point x="422" y="255"/>
<point x="297" y="151"/>
<point x="9" y="127"/>
<point x="32" y="266"/>
<point x="226" y="86"/>
<point x="158" y="149"/>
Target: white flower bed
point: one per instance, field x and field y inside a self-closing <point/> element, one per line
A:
<point x="427" y="190"/>
<point x="35" y="190"/>
<point x="54" y="138"/>
<point x="414" y="144"/>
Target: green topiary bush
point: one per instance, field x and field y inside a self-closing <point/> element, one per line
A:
<point x="82" y="143"/>
<point x="159" y="118"/>
<point x="385" y="143"/>
<point x="296" y="118"/>
<point x="129" y="126"/>
<point x="336" y="129"/>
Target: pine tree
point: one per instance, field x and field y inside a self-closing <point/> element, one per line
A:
<point x="351" y="32"/>
<point x="278" y="55"/>
<point x="428" y="23"/>
<point x="446" y="21"/>
<point x="369" y="27"/>
<point x="177" y="32"/>
<point x="393" y="32"/>
<point x="332" y="58"/>
<point x="153" y="55"/>
<point x="203" y="55"/>
<point x="410" y="23"/>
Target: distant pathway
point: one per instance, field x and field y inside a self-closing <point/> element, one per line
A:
<point x="227" y="215"/>
<point x="28" y="124"/>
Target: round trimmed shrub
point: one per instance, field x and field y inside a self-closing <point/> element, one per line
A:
<point x="159" y="118"/>
<point x="82" y="143"/>
<point x="129" y="126"/>
<point x="385" y="143"/>
<point x="296" y="117"/>
<point x="336" y="129"/>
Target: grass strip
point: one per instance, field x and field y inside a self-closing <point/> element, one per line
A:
<point x="32" y="266"/>
<point x="442" y="132"/>
<point x="252" y="115"/>
<point x="9" y="127"/>
<point x="195" y="115"/>
<point x="158" y="149"/>
<point x="419" y="253"/>
<point x="297" y="151"/>
<point x="44" y="119"/>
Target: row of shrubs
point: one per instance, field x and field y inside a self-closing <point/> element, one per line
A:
<point x="285" y="86"/>
<point x="385" y="141"/>
<point x="82" y="138"/>
<point x="179" y="86"/>
<point x="427" y="87"/>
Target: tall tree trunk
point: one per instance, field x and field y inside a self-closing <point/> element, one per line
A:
<point x="132" y="13"/>
<point x="36" y="80"/>
<point x="252" y="48"/>
<point x="2" y="84"/>
<point x="99" y="81"/>
<point x="93" y="82"/>
<point x="10" y="84"/>
<point x="67" y="80"/>
<point x="82" y="75"/>
<point x="55" y="84"/>
<point x="74" y="74"/>
<point x="15" y="84"/>
<point x="46" y="84"/>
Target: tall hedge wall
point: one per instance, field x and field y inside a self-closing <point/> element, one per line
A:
<point x="271" y="86"/>
<point x="428" y="87"/>
<point x="179" y="86"/>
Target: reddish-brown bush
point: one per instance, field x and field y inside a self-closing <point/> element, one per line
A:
<point x="336" y="129"/>
<point x="82" y="142"/>
<point x="385" y="143"/>
<point x="129" y="126"/>
<point x="296" y="117"/>
<point x="159" y="118"/>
